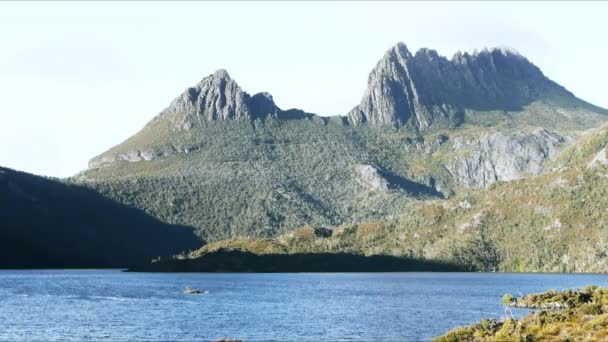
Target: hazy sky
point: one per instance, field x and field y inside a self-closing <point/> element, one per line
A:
<point x="78" y="78"/>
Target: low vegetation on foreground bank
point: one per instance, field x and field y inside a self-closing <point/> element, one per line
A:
<point x="571" y="315"/>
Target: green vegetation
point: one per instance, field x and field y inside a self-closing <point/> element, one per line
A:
<point x="563" y="114"/>
<point x="259" y="181"/>
<point x="571" y="315"/>
<point x="588" y="144"/>
<point x="508" y="299"/>
<point x="241" y="179"/>
<point x="551" y="223"/>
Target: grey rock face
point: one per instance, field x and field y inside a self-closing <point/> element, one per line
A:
<point x="215" y="97"/>
<point x="601" y="158"/>
<point x="218" y="97"/>
<point x="261" y="105"/>
<point x="502" y="157"/>
<point x="426" y="89"/>
<point x="130" y="156"/>
<point x="102" y="161"/>
<point x="371" y="178"/>
<point x="392" y="97"/>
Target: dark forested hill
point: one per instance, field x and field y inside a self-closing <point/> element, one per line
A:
<point x="46" y="223"/>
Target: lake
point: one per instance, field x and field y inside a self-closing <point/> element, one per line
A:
<point x="112" y="305"/>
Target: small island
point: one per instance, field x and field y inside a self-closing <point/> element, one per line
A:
<point x="570" y="315"/>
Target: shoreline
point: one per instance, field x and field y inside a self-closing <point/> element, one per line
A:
<point x="580" y="314"/>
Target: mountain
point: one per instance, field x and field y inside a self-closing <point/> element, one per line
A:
<point x="48" y="223"/>
<point x="179" y="128"/>
<point x="218" y="97"/>
<point x="554" y="222"/>
<point x="232" y="165"/>
<point x="425" y="90"/>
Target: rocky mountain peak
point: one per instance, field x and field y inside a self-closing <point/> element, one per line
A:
<point x="400" y="49"/>
<point x="219" y="97"/>
<point x="427" y="53"/>
<point x="221" y="74"/>
<point x="262" y="105"/>
<point x="390" y="98"/>
<point x="508" y="51"/>
<point x="426" y="89"/>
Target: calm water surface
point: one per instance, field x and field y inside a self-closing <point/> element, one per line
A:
<point x="110" y="305"/>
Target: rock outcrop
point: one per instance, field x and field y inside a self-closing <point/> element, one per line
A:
<point x="423" y="90"/>
<point x="370" y="177"/>
<point x="601" y="158"/>
<point x="494" y="157"/>
<point x="218" y="97"/>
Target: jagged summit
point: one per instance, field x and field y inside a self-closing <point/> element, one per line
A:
<point x="221" y="73"/>
<point x="425" y="89"/>
<point x="390" y="98"/>
<point x="420" y="91"/>
<point x="219" y="97"/>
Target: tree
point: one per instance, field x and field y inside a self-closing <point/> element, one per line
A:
<point x="508" y="300"/>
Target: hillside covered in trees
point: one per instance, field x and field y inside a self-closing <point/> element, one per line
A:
<point x="554" y="222"/>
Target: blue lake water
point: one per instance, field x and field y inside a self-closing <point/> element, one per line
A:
<point x="111" y="305"/>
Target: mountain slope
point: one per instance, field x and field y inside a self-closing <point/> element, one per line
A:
<point x="555" y="222"/>
<point x="258" y="181"/>
<point x="233" y="165"/>
<point x="48" y="223"/>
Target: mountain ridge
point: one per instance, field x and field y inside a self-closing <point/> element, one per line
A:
<point x="422" y="91"/>
<point x="425" y="89"/>
<point x="218" y="96"/>
<point x="230" y="164"/>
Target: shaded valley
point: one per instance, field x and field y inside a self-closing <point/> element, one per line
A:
<point x="47" y="223"/>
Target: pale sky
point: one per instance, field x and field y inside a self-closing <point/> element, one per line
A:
<point x="78" y="78"/>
